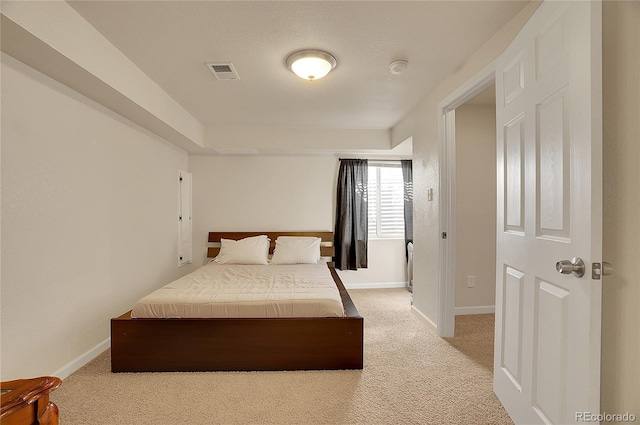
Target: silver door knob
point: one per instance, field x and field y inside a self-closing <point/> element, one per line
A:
<point x="575" y="267"/>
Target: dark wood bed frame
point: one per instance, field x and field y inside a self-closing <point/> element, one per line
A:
<point x="251" y="344"/>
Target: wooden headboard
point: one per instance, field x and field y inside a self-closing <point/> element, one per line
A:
<point x="326" y="246"/>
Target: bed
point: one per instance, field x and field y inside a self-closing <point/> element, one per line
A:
<point x="151" y="344"/>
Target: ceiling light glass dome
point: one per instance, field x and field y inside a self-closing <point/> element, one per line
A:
<point x="311" y="64"/>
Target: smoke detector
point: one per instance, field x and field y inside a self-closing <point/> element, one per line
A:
<point x="223" y="71"/>
<point x="398" y="67"/>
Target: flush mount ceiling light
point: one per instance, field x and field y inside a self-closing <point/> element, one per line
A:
<point x="311" y="64"/>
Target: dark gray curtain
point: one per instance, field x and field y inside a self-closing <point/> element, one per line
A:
<point x="407" y="176"/>
<point x="351" y="231"/>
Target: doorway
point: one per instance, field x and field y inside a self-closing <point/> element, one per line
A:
<point x="475" y="213"/>
<point x="452" y="267"/>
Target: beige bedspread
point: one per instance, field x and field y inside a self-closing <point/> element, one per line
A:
<point x="237" y="291"/>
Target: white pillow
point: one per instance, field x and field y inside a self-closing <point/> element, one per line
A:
<point x="296" y="250"/>
<point x="251" y="250"/>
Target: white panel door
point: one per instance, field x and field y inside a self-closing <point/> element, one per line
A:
<point x="184" y="219"/>
<point x="549" y="134"/>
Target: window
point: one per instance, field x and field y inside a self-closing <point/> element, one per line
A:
<point x="386" y="200"/>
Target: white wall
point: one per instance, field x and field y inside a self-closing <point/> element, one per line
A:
<point x="387" y="266"/>
<point x="475" y="207"/>
<point x="261" y="193"/>
<point x="89" y="205"/>
<point x="76" y="54"/>
<point x="422" y="126"/>
<point x="620" y="371"/>
<point x="279" y="193"/>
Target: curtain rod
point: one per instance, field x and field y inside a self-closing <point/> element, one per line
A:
<point x="379" y="160"/>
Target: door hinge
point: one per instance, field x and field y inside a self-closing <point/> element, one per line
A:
<point x="444" y="235"/>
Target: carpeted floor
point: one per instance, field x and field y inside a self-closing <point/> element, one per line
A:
<point x="410" y="376"/>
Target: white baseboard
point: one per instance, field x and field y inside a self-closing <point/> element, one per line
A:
<point x="379" y="285"/>
<point x="481" y="309"/>
<point x="82" y="360"/>
<point x="425" y="318"/>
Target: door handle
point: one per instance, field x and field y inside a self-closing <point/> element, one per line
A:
<point x="574" y="266"/>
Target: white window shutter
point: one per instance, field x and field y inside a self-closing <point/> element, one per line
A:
<point x="184" y="220"/>
<point x="386" y="201"/>
<point x="391" y="202"/>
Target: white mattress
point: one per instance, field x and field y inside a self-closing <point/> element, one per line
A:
<point x="235" y="291"/>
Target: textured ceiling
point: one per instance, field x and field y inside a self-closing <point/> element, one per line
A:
<point x="171" y="41"/>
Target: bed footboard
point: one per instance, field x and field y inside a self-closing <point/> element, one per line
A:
<point x="146" y="345"/>
<point x="196" y="345"/>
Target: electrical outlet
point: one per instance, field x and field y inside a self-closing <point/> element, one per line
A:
<point x="471" y="281"/>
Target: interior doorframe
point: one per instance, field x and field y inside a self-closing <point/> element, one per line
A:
<point x="447" y="194"/>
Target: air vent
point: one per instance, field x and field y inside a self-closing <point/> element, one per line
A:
<point x="223" y="71"/>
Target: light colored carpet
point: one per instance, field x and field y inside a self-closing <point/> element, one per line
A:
<point x="410" y="376"/>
